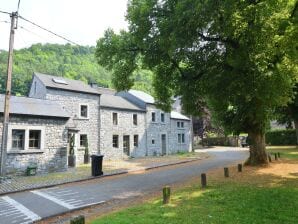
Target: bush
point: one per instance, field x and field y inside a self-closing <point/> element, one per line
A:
<point x="281" y="137"/>
<point x="221" y="141"/>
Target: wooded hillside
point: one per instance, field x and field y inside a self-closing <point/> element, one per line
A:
<point x="74" y="62"/>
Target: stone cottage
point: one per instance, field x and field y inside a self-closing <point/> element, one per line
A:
<point x="36" y="135"/>
<point x="80" y="100"/>
<point x="166" y="133"/>
<point x="117" y="125"/>
<point x="122" y="128"/>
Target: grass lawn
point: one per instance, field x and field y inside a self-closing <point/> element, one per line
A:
<point x="289" y="152"/>
<point x="257" y="195"/>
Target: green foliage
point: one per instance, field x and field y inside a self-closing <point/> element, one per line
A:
<point x="238" y="58"/>
<point x="281" y="137"/>
<point x="74" y="62"/>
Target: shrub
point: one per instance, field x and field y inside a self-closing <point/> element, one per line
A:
<point x="281" y="137"/>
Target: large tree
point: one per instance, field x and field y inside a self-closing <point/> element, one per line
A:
<point x="237" y="57"/>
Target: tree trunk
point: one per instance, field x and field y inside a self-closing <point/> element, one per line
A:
<point x="257" y="149"/>
<point x="296" y="127"/>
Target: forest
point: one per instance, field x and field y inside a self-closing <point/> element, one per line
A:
<point x="74" y="62"/>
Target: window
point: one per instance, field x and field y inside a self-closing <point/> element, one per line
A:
<point x="34" y="139"/>
<point x="153" y="117"/>
<point x="135" y="119"/>
<point x="115" y="141"/>
<point x="18" y="139"/>
<point x="83" y="140"/>
<point x="178" y="124"/>
<point x="23" y="138"/>
<point x="153" y="141"/>
<point x="162" y="117"/>
<point x="115" y="119"/>
<point x="182" y="124"/>
<point x="135" y="140"/>
<point x="84" y="111"/>
<point x="181" y="138"/>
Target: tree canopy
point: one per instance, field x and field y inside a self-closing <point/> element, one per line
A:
<point x="237" y="57"/>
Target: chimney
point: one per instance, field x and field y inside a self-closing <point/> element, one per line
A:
<point x="93" y="84"/>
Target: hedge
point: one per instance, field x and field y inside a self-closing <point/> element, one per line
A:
<point x="281" y="137"/>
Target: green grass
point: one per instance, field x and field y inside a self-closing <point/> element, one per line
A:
<point x="248" y="197"/>
<point x="220" y="204"/>
<point x="289" y="152"/>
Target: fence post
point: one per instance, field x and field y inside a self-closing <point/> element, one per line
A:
<point x="275" y="156"/>
<point x="226" y="171"/>
<point x="269" y="158"/>
<point x="203" y="180"/>
<point x="278" y="154"/>
<point x="166" y="191"/>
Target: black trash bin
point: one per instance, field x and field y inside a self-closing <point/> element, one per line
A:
<point x="96" y="165"/>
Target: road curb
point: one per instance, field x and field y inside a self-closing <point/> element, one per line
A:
<point x="103" y="176"/>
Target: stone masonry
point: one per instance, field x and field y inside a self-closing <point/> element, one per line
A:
<point x="51" y="157"/>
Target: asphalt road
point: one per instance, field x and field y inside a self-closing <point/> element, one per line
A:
<point x="29" y="206"/>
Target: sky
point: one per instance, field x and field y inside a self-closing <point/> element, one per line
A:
<point x="82" y="21"/>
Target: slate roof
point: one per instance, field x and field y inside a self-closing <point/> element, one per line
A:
<point x="33" y="107"/>
<point x="145" y="97"/>
<point x="176" y="115"/>
<point x="111" y="101"/>
<point x="72" y="85"/>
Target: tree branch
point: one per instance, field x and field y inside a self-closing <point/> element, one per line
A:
<point x="233" y="43"/>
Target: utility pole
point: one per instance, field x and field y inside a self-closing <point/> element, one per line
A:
<point x="13" y="16"/>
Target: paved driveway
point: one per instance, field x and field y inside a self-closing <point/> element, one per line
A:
<point x="27" y="207"/>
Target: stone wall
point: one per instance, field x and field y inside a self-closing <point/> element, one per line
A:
<point x="51" y="157"/>
<point x="175" y="146"/>
<point x="156" y="129"/>
<point x="125" y="127"/>
<point x="71" y="102"/>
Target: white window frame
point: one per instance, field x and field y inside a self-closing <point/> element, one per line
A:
<point x="79" y="139"/>
<point x="118" y="141"/>
<point x="83" y="104"/>
<point x="26" y="128"/>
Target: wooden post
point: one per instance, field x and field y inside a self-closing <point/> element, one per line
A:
<point x="78" y="220"/>
<point x="226" y="171"/>
<point x="166" y="191"/>
<point x="275" y="156"/>
<point x="13" y="16"/>
<point x="239" y="167"/>
<point x="203" y="180"/>
<point x="269" y="158"/>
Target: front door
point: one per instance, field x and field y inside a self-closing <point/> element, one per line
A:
<point x="163" y="144"/>
<point x="126" y="144"/>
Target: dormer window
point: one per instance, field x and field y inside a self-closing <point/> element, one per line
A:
<point x="83" y="111"/>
